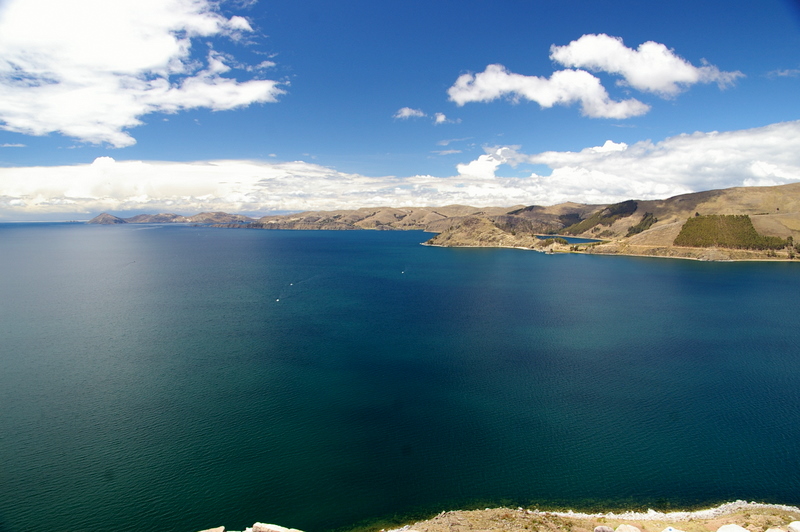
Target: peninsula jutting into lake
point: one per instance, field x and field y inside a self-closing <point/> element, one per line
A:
<point x="743" y="223"/>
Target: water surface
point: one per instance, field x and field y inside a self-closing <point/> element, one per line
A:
<point x="178" y="378"/>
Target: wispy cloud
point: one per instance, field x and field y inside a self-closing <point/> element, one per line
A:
<point x="407" y="112"/>
<point x="8" y="145"/>
<point x="446" y="152"/>
<point x="786" y="73"/>
<point x="610" y="171"/>
<point x="438" y="118"/>
<point x="263" y="65"/>
<point x="447" y="142"/>
<point x="90" y="70"/>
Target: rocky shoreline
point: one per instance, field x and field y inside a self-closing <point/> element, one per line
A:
<point x="736" y="224"/>
<point x="737" y="516"/>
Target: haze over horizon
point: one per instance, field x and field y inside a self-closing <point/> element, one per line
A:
<point x="253" y="107"/>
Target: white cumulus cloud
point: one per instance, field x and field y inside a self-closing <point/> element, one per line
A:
<point x="484" y="167"/>
<point x="762" y="156"/>
<point x="608" y="146"/>
<point x="90" y="69"/>
<point x="441" y="118"/>
<point x="607" y="172"/>
<point x="652" y="67"/>
<point x="563" y="87"/>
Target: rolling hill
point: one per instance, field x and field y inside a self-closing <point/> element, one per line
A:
<point x="632" y="227"/>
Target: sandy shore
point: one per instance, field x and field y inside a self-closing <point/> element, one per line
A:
<point x="751" y="516"/>
<point x="696" y="254"/>
<point x="709" y="513"/>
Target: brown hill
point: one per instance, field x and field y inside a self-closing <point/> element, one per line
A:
<point x="218" y="218"/>
<point x="162" y="218"/>
<point x="638" y="227"/>
<point x="433" y="219"/>
<point x="106" y="219"/>
<point x="775" y="211"/>
<point x="166" y="218"/>
<point x="631" y="227"/>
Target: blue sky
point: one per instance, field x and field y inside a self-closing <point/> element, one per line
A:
<point x="253" y="107"/>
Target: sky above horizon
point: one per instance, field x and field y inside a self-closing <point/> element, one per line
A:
<point x="254" y="107"/>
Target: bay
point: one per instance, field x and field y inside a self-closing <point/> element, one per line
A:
<point x="177" y="378"/>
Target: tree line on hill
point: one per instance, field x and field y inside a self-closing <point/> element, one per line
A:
<point x="733" y="231"/>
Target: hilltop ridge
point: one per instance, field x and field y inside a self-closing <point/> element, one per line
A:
<point x="631" y="227"/>
<point x="167" y="217"/>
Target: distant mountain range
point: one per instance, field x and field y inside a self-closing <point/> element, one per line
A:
<point x="631" y="227"/>
<point x="165" y="218"/>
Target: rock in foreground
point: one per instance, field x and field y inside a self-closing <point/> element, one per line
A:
<point x="258" y="527"/>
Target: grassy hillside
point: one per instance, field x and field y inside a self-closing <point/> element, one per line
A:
<point x="742" y="223"/>
<point x="727" y="231"/>
<point x="644" y="224"/>
<point x="606" y="216"/>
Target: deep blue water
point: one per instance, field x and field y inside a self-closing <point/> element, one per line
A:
<point x="178" y="378"/>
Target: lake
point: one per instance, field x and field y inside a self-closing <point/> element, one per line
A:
<point x="169" y="377"/>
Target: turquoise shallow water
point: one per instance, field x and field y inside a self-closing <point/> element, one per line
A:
<point x="177" y="378"/>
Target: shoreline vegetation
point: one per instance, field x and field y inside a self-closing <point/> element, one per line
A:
<point x="736" y="516"/>
<point x="736" y="224"/>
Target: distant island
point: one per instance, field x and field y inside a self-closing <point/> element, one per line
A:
<point x="742" y="223"/>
